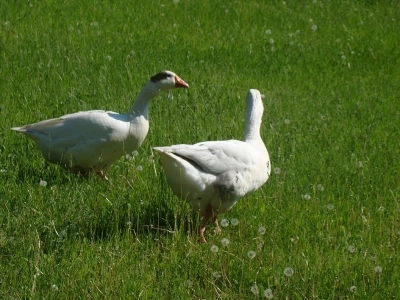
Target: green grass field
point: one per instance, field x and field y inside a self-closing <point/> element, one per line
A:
<point x="325" y="226"/>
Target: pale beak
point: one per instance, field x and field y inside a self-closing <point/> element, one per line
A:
<point x="179" y="83"/>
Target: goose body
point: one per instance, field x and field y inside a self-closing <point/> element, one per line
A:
<point x="213" y="176"/>
<point x="93" y="140"/>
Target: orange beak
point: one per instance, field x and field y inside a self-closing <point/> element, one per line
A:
<point x="179" y="83"/>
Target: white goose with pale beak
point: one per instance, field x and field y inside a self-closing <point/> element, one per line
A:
<point x="213" y="176"/>
<point x="90" y="141"/>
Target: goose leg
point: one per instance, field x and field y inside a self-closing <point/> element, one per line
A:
<point x="217" y="228"/>
<point x="207" y="215"/>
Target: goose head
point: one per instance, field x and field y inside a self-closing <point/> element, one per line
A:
<point x="167" y="80"/>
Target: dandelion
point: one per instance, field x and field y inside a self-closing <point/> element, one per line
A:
<point x="54" y="288"/>
<point x="306" y="197"/>
<point x="310" y="20"/>
<point x="139" y="168"/>
<point x="234" y="222"/>
<point x="217" y="274"/>
<point x="254" y="289"/>
<point x="175" y="1"/>
<point x="271" y="41"/>
<point x="288" y="272"/>
<point x="251" y="254"/>
<point x="224" y="222"/>
<point x="353" y="289"/>
<point x="351" y="249"/>
<point x="188" y="284"/>
<point x="95" y="24"/>
<point x="268" y="31"/>
<point x="128" y="157"/>
<point x="151" y="158"/>
<point x="214" y="248"/>
<point x="320" y="187"/>
<point x="272" y="49"/>
<point x="268" y="294"/>
<point x="297" y="31"/>
<point x="330" y="206"/>
<point x="43" y="183"/>
<point x="359" y="164"/>
<point x="108" y="57"/>
<point x="287" y="121"/>
<point x="378" y="269"/>
<point x="381" y="208"/>
<point x="70" y="28"/>
<point x="3" y="171"/>
<point x="261" y="230"/>
<point x="323" y="118"/>
<point x="314" y="27"/>
<point x="225" y="241"/>
<point x="277" y="170"/>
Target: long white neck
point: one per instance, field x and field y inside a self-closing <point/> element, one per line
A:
<point x="142" y="102"/>
<point x="254" y="112"/>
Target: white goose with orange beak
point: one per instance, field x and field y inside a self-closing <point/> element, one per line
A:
<point x="90" y="141"/>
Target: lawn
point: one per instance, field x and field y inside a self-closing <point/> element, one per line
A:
<point x="326" y="225"/>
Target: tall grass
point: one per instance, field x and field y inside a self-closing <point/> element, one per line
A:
<point x="329" y="73"/>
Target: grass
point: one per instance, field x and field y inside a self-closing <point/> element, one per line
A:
<point x="330" y="75"/>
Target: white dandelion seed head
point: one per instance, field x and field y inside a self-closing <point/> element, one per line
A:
<point x="310" y="20"/>
<point x="353" y="289"/>
<point x="70" y="28"/>
<point x="287" y="121"/>
<point x="217" y="274"/>
<point x="261" y="230"/>
<point x="323" y="118"/>
<point x="351" y="249"/>
<point x="359" y="164"/>
<point x="320" y="187"/>
<point x="108" y="57"/>
<point x="277" y="170"/>
<point x="288" y="272"/>
<point x="330" y="206"/>
<point x="188" y="283"/>
<point x="306" y="196"/>
<point x="251" y="254"/>
<point x="297" y="31"/>
<point x="254" y="289"/>
<point x="175" y="1"/>
<point x="139" y="168"/>
<point x="343" y="57"/>
<point x="273" y="49"/>
<point x="225" y="241"/>
<point x="314" y="27"/>
<point x="234" y="222"/>
<point x="224" y="222"/>
<point x="135" y="153"/>
<point x="268" y="31"/>
<point x="128" y="157"/>
<point x="271" y="41"/>
<point x="42" y="183"/>
<point x="54" y="288"/>
<point x="378" y="269"/>
<point x="268" y="294"/>
<point x="214" y="248"/>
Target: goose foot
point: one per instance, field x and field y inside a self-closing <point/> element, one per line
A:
<point x="102" y="175"/>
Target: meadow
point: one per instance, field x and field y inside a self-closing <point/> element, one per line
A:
<point x="326" y="225"/>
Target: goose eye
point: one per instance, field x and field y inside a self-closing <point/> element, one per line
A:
<point x="160" y="76"/>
